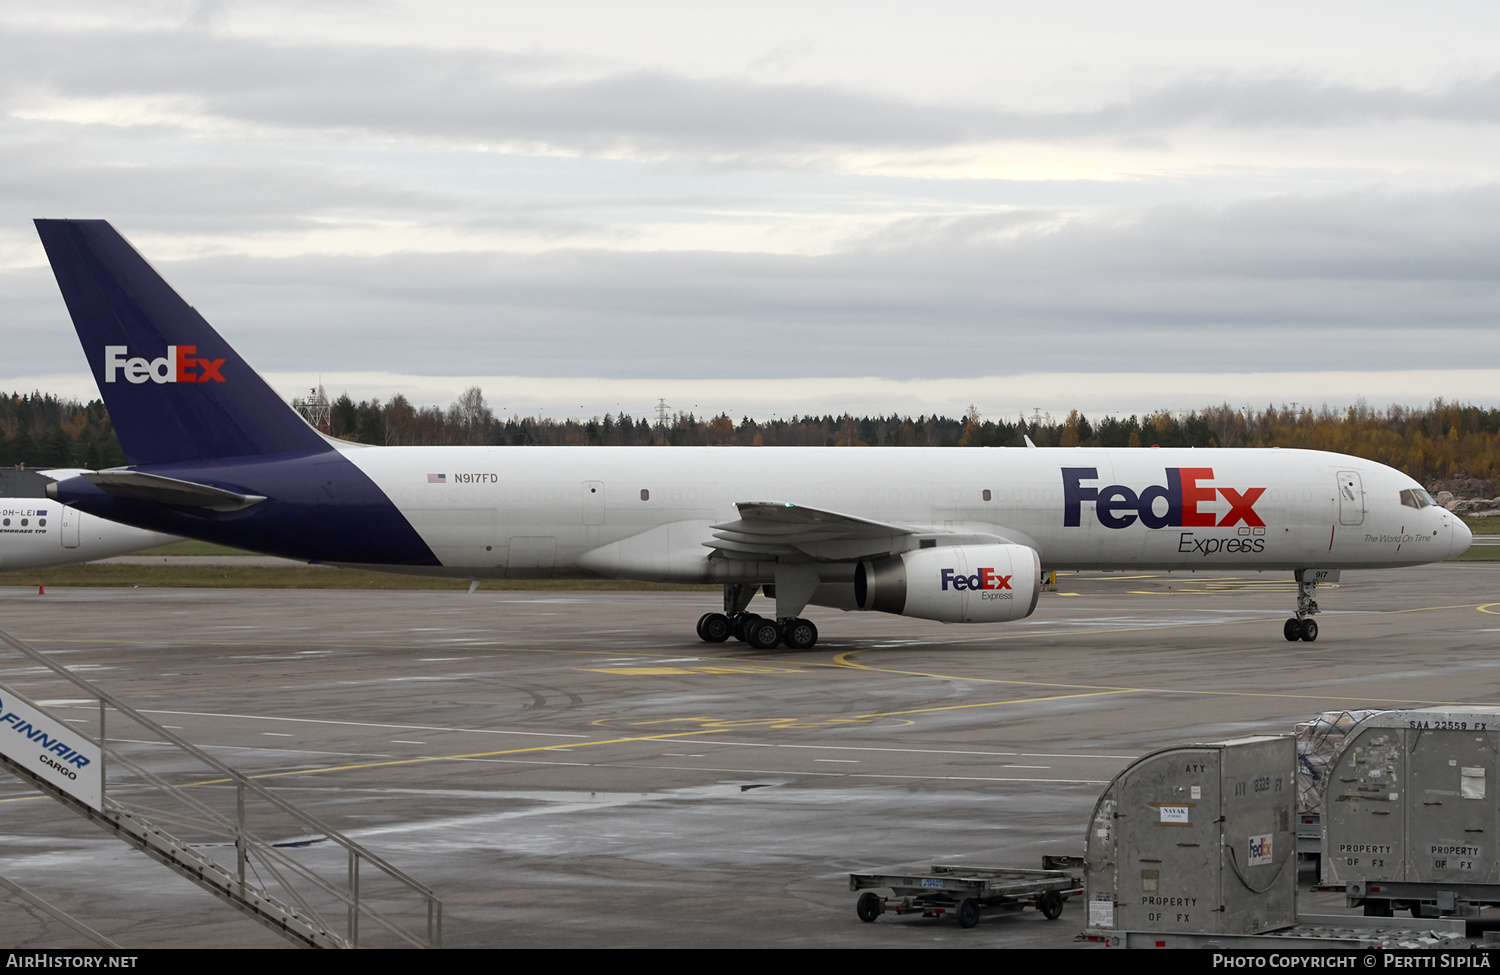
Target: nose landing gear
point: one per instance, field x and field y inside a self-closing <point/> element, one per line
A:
<point x="1295" y="629"/>
<point x="1302" y="626"/>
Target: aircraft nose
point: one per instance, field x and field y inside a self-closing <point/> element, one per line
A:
<point x="1462" y="538"/>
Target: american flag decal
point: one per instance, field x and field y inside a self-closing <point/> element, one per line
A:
<point x="437" y="478"/>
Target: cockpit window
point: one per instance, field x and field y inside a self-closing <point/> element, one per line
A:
<point x="1417" y="498"/>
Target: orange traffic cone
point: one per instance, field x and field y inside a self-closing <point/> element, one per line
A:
<point x="41" y="590"/>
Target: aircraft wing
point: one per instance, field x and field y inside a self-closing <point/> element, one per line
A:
<point x="771" y="529"/>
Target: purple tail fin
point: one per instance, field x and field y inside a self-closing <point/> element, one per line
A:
<point x="174" y="388"/>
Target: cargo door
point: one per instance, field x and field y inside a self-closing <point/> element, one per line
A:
<point x="531" y="557"/>
<point x="1363" y="835"/>
<point x="1259" y="878"/>
<point x="1451" y="813"/>
<point x="1168" y="838"/>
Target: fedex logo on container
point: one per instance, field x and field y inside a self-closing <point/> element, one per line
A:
<point x="1118" y="506"/>
<point x="181" y="364"/>
<point x="983" y="579"/>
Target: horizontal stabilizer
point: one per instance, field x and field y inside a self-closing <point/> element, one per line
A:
<point x="169" y="490"/>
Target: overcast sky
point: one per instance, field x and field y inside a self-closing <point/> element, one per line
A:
<point x="779" y="208"/>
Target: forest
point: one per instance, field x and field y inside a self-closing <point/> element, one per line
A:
<point x="1440" y="442"/>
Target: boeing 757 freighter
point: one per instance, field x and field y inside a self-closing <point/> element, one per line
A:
<point x="956" y="535"/>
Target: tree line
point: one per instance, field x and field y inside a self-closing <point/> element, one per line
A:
<point x="1440" y="442"/>
<point x="42" y="430"/>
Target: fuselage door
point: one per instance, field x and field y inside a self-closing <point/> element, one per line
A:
<point x="70" y="519"/>
<point x="593" y="502"/>
<point x="1351" y="499"/>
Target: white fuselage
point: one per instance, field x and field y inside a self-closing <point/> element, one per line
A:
<point x="36" y="533"/>
<point x="646" y="512"/>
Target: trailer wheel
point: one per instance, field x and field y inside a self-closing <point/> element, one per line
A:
<point x="1378" y="908"/>
<point x="968" y="913"/>
<point x="1050" y="904"/>
<point x="868" y="906"/>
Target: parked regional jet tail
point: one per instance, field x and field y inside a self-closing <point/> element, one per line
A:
<point x="958" y="536"/>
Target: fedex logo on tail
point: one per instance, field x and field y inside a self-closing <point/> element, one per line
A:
<point x="983" y="579"/>
<point x="181" y="364"/>
<point x="1118" y="506"/>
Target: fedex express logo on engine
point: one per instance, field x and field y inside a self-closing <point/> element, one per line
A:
<point x="983" y="579"/>
<point x="1118" y="506"/>
<point x="181" y="364"/>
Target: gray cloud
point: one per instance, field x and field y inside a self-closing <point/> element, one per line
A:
<point x="486" y="97"/>
<point x="1357" y="281"/>
<point x="59" y="171"/>
<point x="60" y="175"/>
<point x="995" y="278"/>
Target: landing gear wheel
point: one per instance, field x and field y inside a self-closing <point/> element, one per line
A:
<point x="714" y="628"/>
<point x="868" y="907"/>
<point x="742" y="625"/>
<point x="968" y="913"/>
<point x="1292" y="630"/>
<point x="799" y="634"/>
<point x="763" y="634"/>
<point x="1308" y="630"/>
<point x="1050" y="904"/>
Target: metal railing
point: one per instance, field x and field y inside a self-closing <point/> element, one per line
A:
<point x="238" y="839"/>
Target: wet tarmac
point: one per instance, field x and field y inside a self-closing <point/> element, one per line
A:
<point x="572" y="769"/>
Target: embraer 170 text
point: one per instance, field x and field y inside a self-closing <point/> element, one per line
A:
<point x="960" y="536"/>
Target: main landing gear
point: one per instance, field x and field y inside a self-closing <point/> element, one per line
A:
<point x="1302" y="626"/>
<point x="758" y="631"/>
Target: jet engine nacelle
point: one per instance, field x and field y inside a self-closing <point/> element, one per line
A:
<point x="953" y="583"/>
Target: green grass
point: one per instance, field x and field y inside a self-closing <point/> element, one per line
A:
<point x="296" y="577"/>
<point x="1481" y="553"/>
